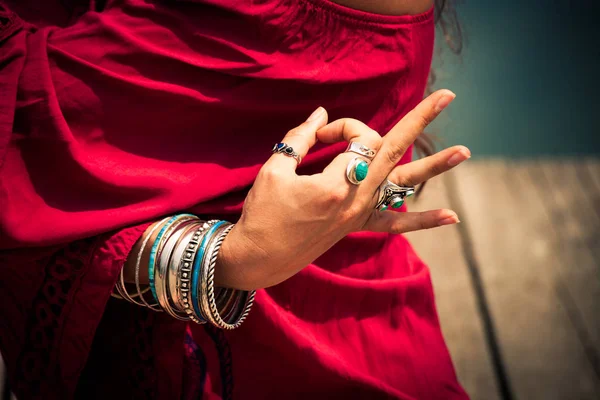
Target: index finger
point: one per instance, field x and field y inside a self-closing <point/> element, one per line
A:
<point x="404" y="133"/>
<point x="299" y="140"/>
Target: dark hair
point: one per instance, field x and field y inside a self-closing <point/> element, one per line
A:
<point x="446" y="20"/>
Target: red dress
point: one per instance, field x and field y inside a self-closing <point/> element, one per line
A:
<point x="114" y="113"/>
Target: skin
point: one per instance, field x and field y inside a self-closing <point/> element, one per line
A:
<point x="289" y="220"/>
<point x="388" y="7"/>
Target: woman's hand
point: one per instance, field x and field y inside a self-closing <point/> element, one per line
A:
<point x="289" y="220"/>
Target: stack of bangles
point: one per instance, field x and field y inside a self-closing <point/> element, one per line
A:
<point x="181" y="272"/>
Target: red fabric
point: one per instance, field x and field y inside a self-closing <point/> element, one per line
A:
<point x="135" y="109"/>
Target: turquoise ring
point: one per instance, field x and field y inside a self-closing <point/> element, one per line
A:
<point x="392" y="195"/>
<point x="357" y="170"/>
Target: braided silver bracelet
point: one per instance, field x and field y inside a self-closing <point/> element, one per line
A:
<point x="244" y="299"/>
<point x="186" y="250"/>
<point x="185" y="278"/>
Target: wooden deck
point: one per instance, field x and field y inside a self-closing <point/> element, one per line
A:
<point x="517" y="283"/>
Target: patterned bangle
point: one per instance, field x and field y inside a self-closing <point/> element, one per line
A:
<point x="164" y="255"/>
<point x="176" y="263"/>
<point x="244" y="299"/>
<point x="188" y="261"/>
<point x="198" y="289"/>
<point x="155" y="247"/>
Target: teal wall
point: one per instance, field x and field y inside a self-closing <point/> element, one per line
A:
<point x="528" y="80"/>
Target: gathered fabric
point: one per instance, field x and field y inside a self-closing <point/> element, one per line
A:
<point x="115" y="113"/>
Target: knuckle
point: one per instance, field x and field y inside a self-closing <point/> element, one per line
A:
<point x="354" y="211"/>
<point x="351" y="124"/>
<point x="271" y="174"/>
<point x="292" y="133"/>
<point x="335" y="197"/>
<point x="395" y="152"/>
<point x="396" y="228"/>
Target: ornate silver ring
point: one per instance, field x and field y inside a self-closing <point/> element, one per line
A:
<point x="361" y="149"/>
<point x="392" y="195"/>
<point x="287" y="150"/>
<point x="357" y="170"/>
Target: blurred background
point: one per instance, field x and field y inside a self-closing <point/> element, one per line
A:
<point x="517" y="283"/>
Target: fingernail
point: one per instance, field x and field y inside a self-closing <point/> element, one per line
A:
<point x="458" y="157"/>
<point x="449" y="220"/>
<point x="316" y="114"/>
<point x="444" y="101"/>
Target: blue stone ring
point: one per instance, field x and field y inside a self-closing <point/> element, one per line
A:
<point x="287" y="150"/>
<point x="392" y="195"/>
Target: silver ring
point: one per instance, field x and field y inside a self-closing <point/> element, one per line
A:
<point x="361" y="149"/>
<point x="287" y="150"/>
<point x="392" y="195"/>
<point x="357" y="170"/>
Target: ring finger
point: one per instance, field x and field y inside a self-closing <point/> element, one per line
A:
<point x="419" y="171"/>
<point x="395" y="222"/>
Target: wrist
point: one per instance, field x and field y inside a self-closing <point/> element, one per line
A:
<point x="232" y="269"/>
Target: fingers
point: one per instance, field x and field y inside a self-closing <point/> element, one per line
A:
<point x="300" y="139"/>
<point x="346" y="129"/>
<point x="404" y="133"/>
<point x="426" y="168"/>
<point x="401" y="222"/>
<point x="349" y="130"/>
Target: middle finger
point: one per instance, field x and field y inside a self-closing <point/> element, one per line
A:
<point x="404" y="133"/>
<point x="419" y="171"/>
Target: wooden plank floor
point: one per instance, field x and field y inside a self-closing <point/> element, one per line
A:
<point x="530" y="233"/>
<point x="517" y="283"/>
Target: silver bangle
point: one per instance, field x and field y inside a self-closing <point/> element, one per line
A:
<point x="243" y="302"/>
<point x="137" y="267"/>
<point x="204" y="268"/>
<point x="163" y="255"/>
<point x="172" y="261"/>
<point x="123" y="290"/>
<point x="189" y="256"/>
<point x="175" y="264"/>
<point x="119" y="294"/>
<point x="122" y="293"/>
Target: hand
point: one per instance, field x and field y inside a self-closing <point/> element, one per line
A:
<point x="289" y="220"/>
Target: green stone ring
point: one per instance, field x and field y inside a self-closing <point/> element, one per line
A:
<point x="392" y="195"/>
<point x="357" y="170"/>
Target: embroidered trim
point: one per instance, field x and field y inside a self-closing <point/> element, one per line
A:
<point x="37" y="367"/>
